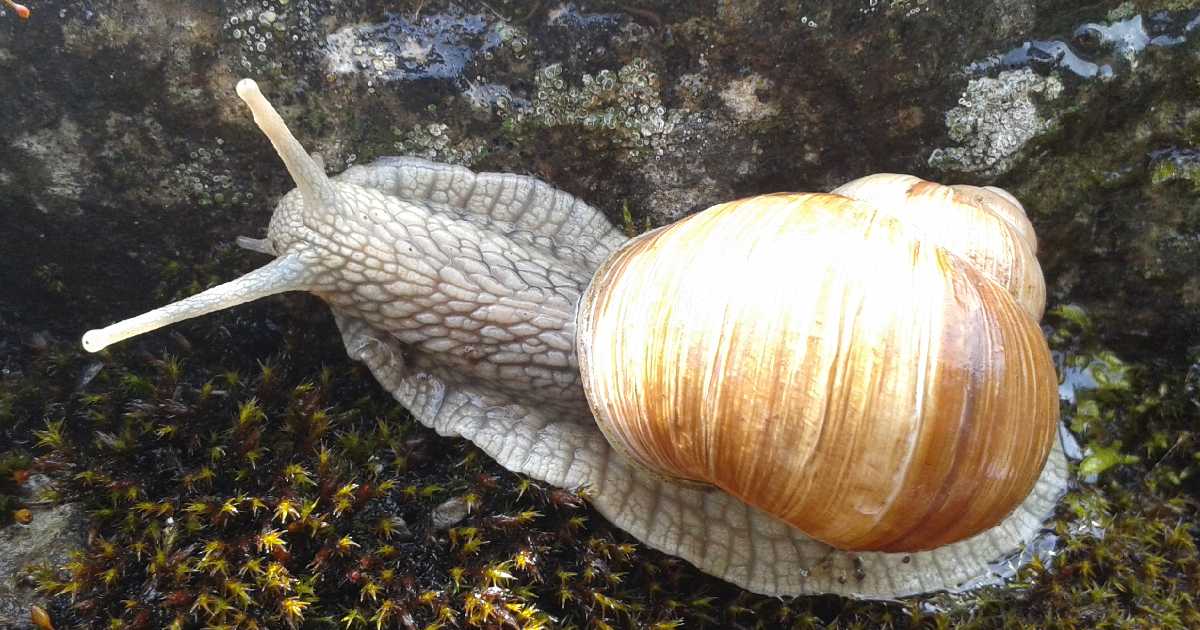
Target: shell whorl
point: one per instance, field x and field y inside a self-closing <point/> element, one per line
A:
<point x="985" y="225"/>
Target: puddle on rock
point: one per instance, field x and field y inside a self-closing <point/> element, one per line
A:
<point x="1096" y="50"/>
<point x="438" y="46"/>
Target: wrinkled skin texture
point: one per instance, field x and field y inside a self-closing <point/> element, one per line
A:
<point x="458" y="291"/>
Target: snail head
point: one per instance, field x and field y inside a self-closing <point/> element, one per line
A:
<point x="418" y="252"/>
<point x="307" y="236"/>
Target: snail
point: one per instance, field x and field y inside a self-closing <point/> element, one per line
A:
<point x="880" y="403"/>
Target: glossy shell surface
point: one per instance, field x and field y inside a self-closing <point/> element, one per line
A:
<point x="815" y="357"/>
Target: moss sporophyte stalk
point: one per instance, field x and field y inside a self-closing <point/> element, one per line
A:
<point x="20" y="10"/>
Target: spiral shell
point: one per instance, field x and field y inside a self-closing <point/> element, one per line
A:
<point x="827" y="363"/>
<point x="985" y="225"/>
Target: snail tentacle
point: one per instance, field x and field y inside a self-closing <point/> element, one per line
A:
<point x="307" y="171"/>
<point x="286" y="273"/>
<point x="258" y="245"/>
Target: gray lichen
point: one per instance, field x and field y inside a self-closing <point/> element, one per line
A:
<point x="741" y="97"/>
<point x="406" y="48"/>
<point x="624" y="106"/>
<point x="994" y="119"/>
<point x="60" y="154"/>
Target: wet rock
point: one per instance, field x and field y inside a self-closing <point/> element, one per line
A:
<point x="124" y="144"/>
<point x="61" y="151"/>
<point x="122" y="134"/>
<point x="437" y="46"/>
<point x="662" y="112"/>
<point x="741" y="96"/>
<point x="47" y="540"/>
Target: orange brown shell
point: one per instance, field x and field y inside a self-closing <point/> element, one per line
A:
<point x="985" y="225"/>
<point x="824" y="362"/>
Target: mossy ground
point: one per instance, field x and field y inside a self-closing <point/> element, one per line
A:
<point x="239" y="471"/>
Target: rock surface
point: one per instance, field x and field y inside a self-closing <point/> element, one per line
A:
<point x="47" y="540"/>
<point x="123" y="140"/>
<point x="449" y="513"/>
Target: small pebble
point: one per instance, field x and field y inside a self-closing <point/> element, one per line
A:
<point x="449" y="514"/>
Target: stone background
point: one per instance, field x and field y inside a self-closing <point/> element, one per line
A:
<point x="123" y="144"/>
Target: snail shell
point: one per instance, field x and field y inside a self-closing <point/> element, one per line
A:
<point x="985" y="225"/>
<point x="829" y="364"/>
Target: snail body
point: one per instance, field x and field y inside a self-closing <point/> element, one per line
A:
<point x="482" y="303"/>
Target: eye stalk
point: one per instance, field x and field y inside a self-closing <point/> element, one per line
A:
<point x="260" y="245"/>
<point x="279" y="275"/>
<point x="307" y="171"/>
<point x="286" y="273"/>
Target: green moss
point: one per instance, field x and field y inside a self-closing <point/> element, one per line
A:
<point x="1163" y="5"/>
<point x="50" y="276"/>
<point x="1104" y="457"/>
<point x="1176" y="168"/>
<point x="272" y="483"/>
<point x="1122" y="11"/>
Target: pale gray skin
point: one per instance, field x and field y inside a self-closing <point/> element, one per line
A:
<point x="458" y="290"/>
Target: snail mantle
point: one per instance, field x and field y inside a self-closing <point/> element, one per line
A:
<point x="798" y="393"/>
